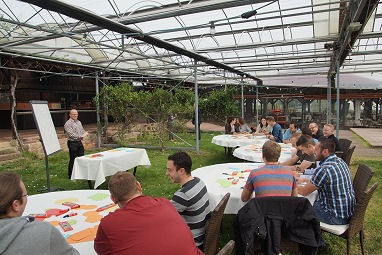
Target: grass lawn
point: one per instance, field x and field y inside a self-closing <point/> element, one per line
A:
<point x="155" y="183"/>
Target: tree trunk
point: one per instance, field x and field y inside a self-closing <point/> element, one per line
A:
<point x="15" y="133"/>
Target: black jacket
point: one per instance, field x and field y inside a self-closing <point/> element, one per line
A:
<point x="269" y="218"/>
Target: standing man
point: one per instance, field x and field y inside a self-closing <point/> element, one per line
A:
<point x="277" y="131"/>
<point x="316" y="132"/>
<point x="336" y="199"/>
<point x="191" y="200"/>
<point x="142" y="225"/>
<point x="24" y="235"/>
<point x="271" y="179"/>
<point x="75" y="133"/>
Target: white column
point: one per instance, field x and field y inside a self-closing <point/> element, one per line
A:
<point x="357" y="112"/>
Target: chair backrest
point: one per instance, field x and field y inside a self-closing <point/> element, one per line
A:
<point x="344" y="145"/>
<point x="348" y="155"/>
<point x="227" y="249"/>
<point x="356" y="221"/>
<point x="361" y="180"/>
<point x="211" y="239"/>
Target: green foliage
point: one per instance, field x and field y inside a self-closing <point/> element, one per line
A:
<point x="219" y="104"/>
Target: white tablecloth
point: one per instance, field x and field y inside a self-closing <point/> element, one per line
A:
<point x="238" y="140"/>
<point x="86" y="221"/>
<point x="218" y="179"/>
<point x="254" y="152"/>
<point x="99" y="165"/>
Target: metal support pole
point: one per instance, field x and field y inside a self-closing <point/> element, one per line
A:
<point x="97" y="110"/>
<point x="196" y="106"/>
<point x="329" y="99"/>
<point x="338" y="101"/>
<point x="225" y="81"/>
<point x="242" y="97"/>
<point x="257" y="108"/>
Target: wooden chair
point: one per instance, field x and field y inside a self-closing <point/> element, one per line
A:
<point x="227" y="249"/>
<point x="211" y="239"/>
<point x="348" y="155"/>
<point x="356" y="222"/>
<point x="361" y="180"/>
<point x="344" y="145"/>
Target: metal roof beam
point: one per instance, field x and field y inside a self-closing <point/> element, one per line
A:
<point x="84" y="15"/>
<point x="166" y="11"/>
<point x="357" y="11"/>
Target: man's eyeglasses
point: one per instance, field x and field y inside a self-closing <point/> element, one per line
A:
<point x="26" y="195"/>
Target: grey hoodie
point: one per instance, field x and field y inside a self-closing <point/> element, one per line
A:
<point x="22" y="235"/>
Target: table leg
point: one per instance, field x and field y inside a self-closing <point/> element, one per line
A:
<point x="135" y="170"/>
<point x="90" y="184"/>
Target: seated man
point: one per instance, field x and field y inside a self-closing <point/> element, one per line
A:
<point x="293" y="128"/>
<point x="335" y="190"/>
<point x="328" y="132"/>
<point x="305" y="144"/>
<point x="143" y="225"/>
<point x="277" y="131"/>
<point x="271" y="179"/>
<point x="305" y="160"/>
<point x="191" y="200"/>
<point x="316" y="132"/>
<point x="23" y="235"/>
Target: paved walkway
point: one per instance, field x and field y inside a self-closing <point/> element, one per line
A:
<point x="362" y="148"/>
<point x="372" y="135"/>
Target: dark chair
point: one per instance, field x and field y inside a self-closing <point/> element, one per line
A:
<point x="261" y="224"/>
<point x="344" y="145"/>
<point x="348" y="155"/>
<point x="356" y="222"/>
<point x="361" y="180"/>
<point x="211" y="239"/>
<point x="227" y="249"/>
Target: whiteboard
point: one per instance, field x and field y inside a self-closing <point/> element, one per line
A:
<point x="45" y="127"/>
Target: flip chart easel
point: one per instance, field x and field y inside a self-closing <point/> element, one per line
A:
<point x="47" y="133"/>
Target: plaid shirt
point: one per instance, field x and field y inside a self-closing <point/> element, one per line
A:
<point x="335" y="188"/>
<point x="74" y="130"/>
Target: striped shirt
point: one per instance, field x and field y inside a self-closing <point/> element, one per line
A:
<point x="271" y="180"/>
<point x="191" y="201"/>
<point x="73" y="130"/>
<point x="335" y="189"/>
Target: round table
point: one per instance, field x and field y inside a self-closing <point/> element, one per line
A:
<point x="218" y="179"/>
<point x="254" y="152"/>
<point x="84" y="224"/>
<point x="238" y="140"/>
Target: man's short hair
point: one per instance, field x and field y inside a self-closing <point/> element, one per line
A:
<point x="122" y="186"/>
<point x="326" y="143"/>
<point x="296" y="135"/>
<point x="294" y="123"/>
<point x="270" y="118"/>
<point x="181" y="160"/>
<point x="305" y="140"/>
<point x="313" y="123"/>
<point x="271" y="151"/>
<point x="331" y="126"/>
<point x="10" y="191"/>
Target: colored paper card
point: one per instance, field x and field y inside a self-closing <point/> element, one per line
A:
<point x="98" y="196"/>
<point x="224" y="183"/>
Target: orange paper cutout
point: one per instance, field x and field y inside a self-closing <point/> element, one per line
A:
<point x="92" y="216"/>
<point x="85" y="235"/>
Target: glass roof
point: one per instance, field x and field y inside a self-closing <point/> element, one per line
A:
<point x="282" y="44"/>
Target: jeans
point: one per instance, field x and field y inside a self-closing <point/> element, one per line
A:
<point x="325" y="217"/>
<point x="76" y="149"/>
